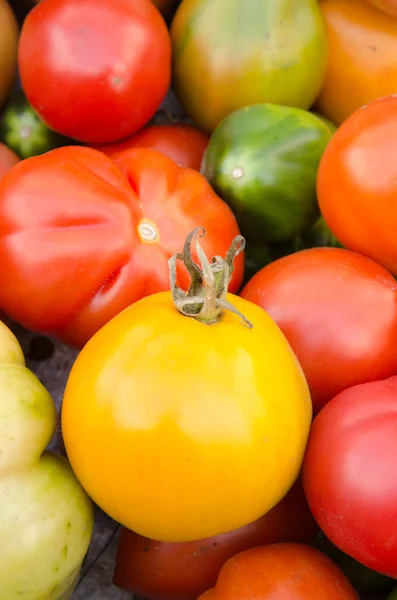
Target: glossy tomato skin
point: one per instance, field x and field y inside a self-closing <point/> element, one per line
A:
<point x="292" y="571"/>
<point x="338" y="310"/>
<point x="356" y="182"/>
<point x="8" y="159"/>
<point x="97" y="71"/>
<point x="159" y="571"/>
<point x="102" y="232"/>
<point x="350" y="471"/>
<point x="361" y="65"/>
<point x="171" y="405"/>
<point x="184" y="144"/>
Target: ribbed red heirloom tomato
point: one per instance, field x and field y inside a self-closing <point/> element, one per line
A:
<point x="338" y="310"/>
<point x="95" y="70"/>
<point x="350" y="473"/>
<point x="161" y="571"/>
<point x="281" y="572"/>
<point x="82" y="236"/>
<point x="184" y="144"/>
<point x="356" y="183"/>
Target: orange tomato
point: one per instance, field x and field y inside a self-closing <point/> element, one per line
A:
<point x="362" y="63"/>
<point x="388" y="6"/>
<point x="281" y="572"/>
<point x="356" y="183"/>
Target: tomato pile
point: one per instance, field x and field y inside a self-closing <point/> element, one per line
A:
<point x="227" y="276"/>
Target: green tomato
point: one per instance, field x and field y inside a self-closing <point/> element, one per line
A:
<point x="45" y="516"/>
<point x="263" y="161"/>
<point x="22" y="130"/>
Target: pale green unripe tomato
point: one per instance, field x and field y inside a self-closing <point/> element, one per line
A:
<point x="46" y="518"/>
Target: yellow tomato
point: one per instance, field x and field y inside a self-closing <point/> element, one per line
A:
<point x="181" y="430"/>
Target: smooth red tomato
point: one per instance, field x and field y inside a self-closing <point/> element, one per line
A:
<point x="82" y="236"/>
<point x="281" y="572"/>
<point x="160" y="571"/>
<point x="357" y="182"/>
<point x="184" y="144"/>
<point x="95" y="71"/>
<point x="8" y="159"/>
<point x="350" y="473"/>
<point x="338" y="310"/>
<point x="361" y="66"/>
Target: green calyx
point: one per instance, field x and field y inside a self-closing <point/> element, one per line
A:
<point x="205" y="299"/>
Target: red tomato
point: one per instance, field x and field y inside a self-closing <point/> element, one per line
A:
<point x="95" y="70"/>
<point x="281" y="572"/>
<point x="101" y="232"/>
<point x="185" y="144"/>
<point x="350" y="473"/>
<point x="8" y="159"/>
<point x="357" y="182"/>
<point x="338" y="310"/>
<point x="159" y="571"/>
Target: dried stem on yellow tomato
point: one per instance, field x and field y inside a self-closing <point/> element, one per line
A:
<point x="205" y="299"/>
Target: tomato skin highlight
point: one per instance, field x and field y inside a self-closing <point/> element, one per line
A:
<point x="160" y="571"/>
<point x="184" y="144"/>
<point x="279" y="571"/>
<point x="349" y="473"/>
<point x="122" y="80"/>
<point x="103" y="230"/>
<point x="170" y="403"/>
<point x="356" y="182"/>
<point x="338" y="310"/>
